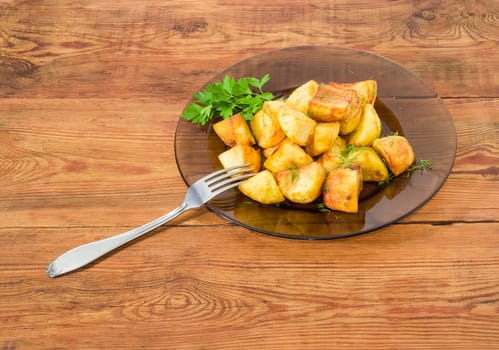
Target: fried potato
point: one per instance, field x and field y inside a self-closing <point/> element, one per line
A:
<point x="352" y="120"/>
<point x="369" y="128"/>
<point x="262" y="188"/>
<point x="265" y="125"/>
<point x="324" y="136"/>
<point x="396" y="151"/>
<point x="302" y="184"/>
<point x="296" y="125"/>
<point x="286" y="156"/>
<point x="241" y="154"/>
<point x="267" y="152"/>
<point x="234" y="131"/>
<point x="366" y="89"/>
<point x="301" y="96"/>
<point x="333" y="157"/>
<point x="342" y="189"/>
<point x="371" y="165"/>
<point x="331" y="104"/>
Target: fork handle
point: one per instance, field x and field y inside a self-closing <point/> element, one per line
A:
<point x="85" y="254"/>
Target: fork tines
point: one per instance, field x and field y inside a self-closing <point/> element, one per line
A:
<point x="230" y="177"/>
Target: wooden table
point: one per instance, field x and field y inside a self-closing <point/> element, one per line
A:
<point x="91" y="92"/>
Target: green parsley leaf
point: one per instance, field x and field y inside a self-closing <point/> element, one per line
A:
<point x="226" y="98"/>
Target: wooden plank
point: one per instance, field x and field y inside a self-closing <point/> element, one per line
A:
<point x="471" y="189"/>
<point x="126" y="44"/>
<point x="96" y="162"/>
<point x="220" y="288"/>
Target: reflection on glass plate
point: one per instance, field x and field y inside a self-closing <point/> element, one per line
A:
<point x="405" y="104"/>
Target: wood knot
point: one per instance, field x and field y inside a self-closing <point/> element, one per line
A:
<point x="190" y="27"/>
<point x="426" y="14"/>
<point x="10" y="67"/>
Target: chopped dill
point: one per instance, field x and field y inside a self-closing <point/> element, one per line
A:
<point x="294" y="172"/>
<point x="423" y="166"/>
<point x="348" y="156"/>
<point x="322" y="208"/>
<point x="389" y="179"/>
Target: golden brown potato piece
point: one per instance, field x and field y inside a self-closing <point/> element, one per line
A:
<point x="272" y="107"/>
<point x="301" y="96"/>
<point x="331" y="104"/>
<point x="352" y="120"/>
<point x="303" y="184"/>
<point x="342" y="189"/>
<point x="234" y="131"/>
<point x="396" y="151"/>
<point x="265" y="125"/>
<point x="267" y="152"/>
<point x="241" y="154"/>
<point x="262" y="188"/>
<point x="333" y="157"/>
<point x="296" y="125"/>
<point x="286" y="156"/>
<point x="371" y="165"/>
<point x="369" y="128"/>
<point x="366" y="89"/>
<point x="324" y="136"/>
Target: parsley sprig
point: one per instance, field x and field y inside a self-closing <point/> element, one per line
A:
<point x="226" y="98"/>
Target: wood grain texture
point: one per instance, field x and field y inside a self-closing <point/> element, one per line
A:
<point x="90" y="95"/>
<point x="61" y="51"/>
<point x="363" y="292"/>
<point x="67" y="162"/>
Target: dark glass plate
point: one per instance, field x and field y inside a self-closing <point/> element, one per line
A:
<point x="405" y="104"/>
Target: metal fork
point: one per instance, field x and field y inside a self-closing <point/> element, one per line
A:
<point x="197" y="194"/>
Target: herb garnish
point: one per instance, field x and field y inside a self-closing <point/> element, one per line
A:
<point x="322" y="208"/>
<point x="423" y="166"/>
<point x="294" y="172"/>
<point x="348" y="156"/>
<point x="226" y="98"/>
<point x="389" y="179"/>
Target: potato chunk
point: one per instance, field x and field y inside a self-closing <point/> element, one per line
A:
<point x="267" y="152"/>
<point x="286" y="156"/>
<point x="331" y="104"/>
<point x="296" y="125"/>
<point x="396" y="151"/>
<point x="301" y="96"/>
<point x="234" y="131"/>
<point x="324" y="136"/>
<point x="333" y="157"/>
<point x="366" y="89"/>
<point x="262" y="188"/>
<point x="241" y="154"/>
<point x="352" y="120"/>
<point x="371" y="165"/>
<point x="342" y="189"/>
<point x="369" y="128"/>
<point x="303" y="184"/>
<point x="265" y="125"/>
